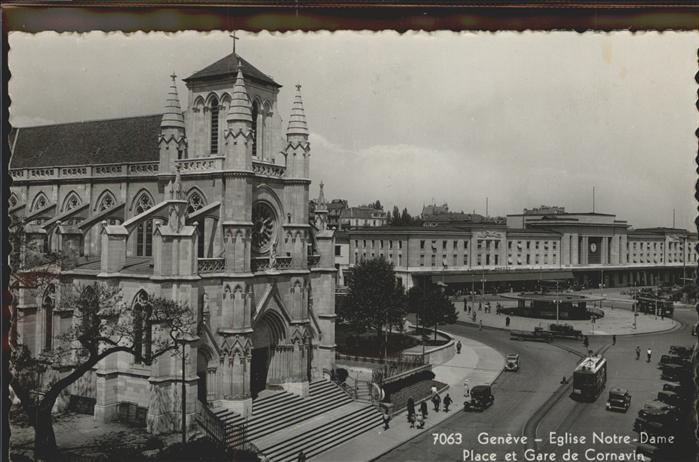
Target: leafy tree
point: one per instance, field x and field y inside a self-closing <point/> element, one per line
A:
<point x="431" y="305"/>
<point x="375" y="297"/>
<point x="102" y="324"/>
<point x="377" y="205"/>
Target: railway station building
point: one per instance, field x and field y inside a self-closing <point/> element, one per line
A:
<point x="585" y="249"/>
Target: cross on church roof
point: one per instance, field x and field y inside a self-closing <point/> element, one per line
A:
<point x="298" y="87"/>
<point x="173" y="76"/>
<point x="234" y="39"/>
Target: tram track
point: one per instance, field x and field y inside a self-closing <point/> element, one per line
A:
<point x="531" y="426"/>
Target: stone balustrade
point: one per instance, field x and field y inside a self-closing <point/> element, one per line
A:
<point x="259" y="264"/>
<point x="267" y="169"/>
<point x="200" y="164"/>
<point x="210" y="265"/>
<point x="85" y="171"/>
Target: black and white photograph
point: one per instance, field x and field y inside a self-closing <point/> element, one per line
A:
<point x="353" y="246"/>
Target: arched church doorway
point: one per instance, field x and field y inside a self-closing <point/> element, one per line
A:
<point x="268" y="332"/>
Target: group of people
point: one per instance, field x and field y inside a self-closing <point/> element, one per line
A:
<point x="418" y="418"/>
<point x="649" y="353"/>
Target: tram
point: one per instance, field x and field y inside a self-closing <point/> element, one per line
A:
<point x="589" y="378"/>
<point x="653" y="305"/>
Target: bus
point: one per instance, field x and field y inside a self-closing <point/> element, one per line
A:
<point x="654" y="305"/>
<point x="589" y="378"/>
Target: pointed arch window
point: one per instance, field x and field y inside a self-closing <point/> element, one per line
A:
<point x="142" y="328"/>
<point x="48" y="303"/>
<point x="107" y="201"/>
<point x="144" y="232"/>
<point x="214" y="125"/>
<point x="255" y="112"/>
<point x="40" y="201"/>
<point x="194" y="203"/>
<point x="72" y="201"/>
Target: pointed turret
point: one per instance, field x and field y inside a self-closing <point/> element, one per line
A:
<point x="321" y="195"/>
<point x="321" y="210"/>
<point x="172" y="116"/>
<point x="240" y="109"/>
<point x="172" y="140"/>
<point x="297" y="118"/>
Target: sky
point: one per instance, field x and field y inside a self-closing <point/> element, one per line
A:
<point x="522" y="119"/>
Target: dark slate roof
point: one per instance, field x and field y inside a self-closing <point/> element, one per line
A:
<point x="228" y="66"/>
<point x="132" y="139"/>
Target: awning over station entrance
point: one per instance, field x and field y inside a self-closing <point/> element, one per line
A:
<point x="469" y="278"/>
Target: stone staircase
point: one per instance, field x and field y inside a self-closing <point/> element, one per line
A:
<point x="329" y="417"/>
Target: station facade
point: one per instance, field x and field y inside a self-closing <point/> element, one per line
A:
<point x="206" y="205"/>
<point x="587" y="249"/>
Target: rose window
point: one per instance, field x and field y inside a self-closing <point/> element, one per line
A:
<point x="264" y="223"/>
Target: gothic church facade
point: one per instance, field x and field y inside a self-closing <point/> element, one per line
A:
<point x="208" y="206"/>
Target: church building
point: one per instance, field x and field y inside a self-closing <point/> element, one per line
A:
<point x="206" y="205"/>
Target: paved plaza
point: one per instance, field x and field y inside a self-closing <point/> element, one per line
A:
<point x="477" y="363"/>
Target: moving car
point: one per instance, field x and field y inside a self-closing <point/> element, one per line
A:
<point x="619" y="400"/>
<point x="481" y="398"/>
<point x="512" y="362"/>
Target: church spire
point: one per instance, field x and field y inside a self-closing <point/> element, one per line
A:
<point x="321" y="195"/>
<point x="172" y="116"/>
<point x="297" y="119"/>
<point x="240" y="103"/>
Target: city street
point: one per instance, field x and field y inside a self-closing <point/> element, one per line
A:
<point x="533" y="401"/>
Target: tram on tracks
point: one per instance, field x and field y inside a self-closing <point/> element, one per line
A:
<point x="589" y="378"/>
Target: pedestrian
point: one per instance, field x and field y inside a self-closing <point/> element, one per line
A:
<point x="436" y="400"/>
<point x="447" y="402"/>
<point x="564" y="380"/>
<point x="411" y="420"/>
<point x="411" y="407"/>
<point x="586" y="342"/>
<point x="420" y="421"/>
<point x="458" y="347"/>
<point x="613" y="339"/>
<point x="301" y="457"/>
<point x="480" y="306"/>
<point x="469" y="309"/>
<point x="638" y="352"/>
<point x="507" y="321"/>
<point x="648" y="354"/>
<point x="480" y="325"/>
<point x="473" y="317"/>
<point x="386" y="419"/>
<point x="423" y="409"/>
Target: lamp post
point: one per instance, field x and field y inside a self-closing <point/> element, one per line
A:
<point x="184" y="398"/>
<point x="557" y="302"/>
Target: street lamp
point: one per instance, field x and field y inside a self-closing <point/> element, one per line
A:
<point x="184" y="398"/>
<point x="557" y="302"/>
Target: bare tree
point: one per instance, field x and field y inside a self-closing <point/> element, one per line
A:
<point x="102" y="325"/>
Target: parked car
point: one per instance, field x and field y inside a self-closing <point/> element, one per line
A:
<point x="674" y="359"/>
<point x="657" y="411"/>
<point x="619" y="400"/>
<point x="651" y="453"/>
<point x="675" y="373"/>
<point x="512" y="362"/>
<point x="671" y="398"/>
<point x="675" y="388"/>
<point x="481" y="398"/>
<point x="683" y="351"/>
